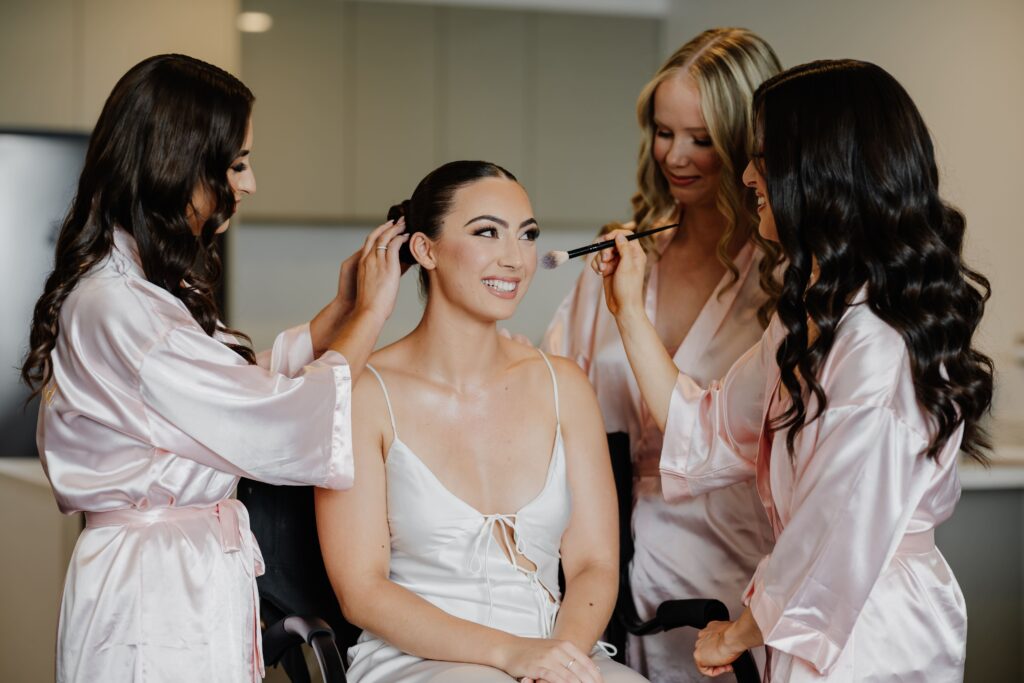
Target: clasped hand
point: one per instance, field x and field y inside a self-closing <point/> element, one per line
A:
<point x="544" y="660"/>
<point x="713" y="653"/>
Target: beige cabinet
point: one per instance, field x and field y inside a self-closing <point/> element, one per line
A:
<point x="395" y="73"/>
<point x="59" y="59"/>
<point x="36" y="64"/>
<point x="296" y="73"/>
<point x="589" y="73"/>
<point x="36" y="542"/>
<point x="486" y="103"/>
<point x="358" y="100"/>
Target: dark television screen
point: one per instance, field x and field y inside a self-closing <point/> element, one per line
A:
<point x="38" y="176"/>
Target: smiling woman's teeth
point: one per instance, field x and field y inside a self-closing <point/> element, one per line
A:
<point x="760" y="201"/>
<point x="501" y="285"/>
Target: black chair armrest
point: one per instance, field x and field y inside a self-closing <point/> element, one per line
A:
<point x="697" y="613"/>
<point x="295" y="630"/>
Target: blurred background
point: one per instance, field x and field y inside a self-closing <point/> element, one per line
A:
<point x="358" y="99"/>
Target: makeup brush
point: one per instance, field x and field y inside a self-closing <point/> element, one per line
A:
<point x="553" y="259"/>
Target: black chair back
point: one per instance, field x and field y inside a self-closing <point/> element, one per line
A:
<point x="295" y="581"/>
<point x="694" y="613"/>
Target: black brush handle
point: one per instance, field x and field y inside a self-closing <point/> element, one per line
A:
<point x="597" y="246"/>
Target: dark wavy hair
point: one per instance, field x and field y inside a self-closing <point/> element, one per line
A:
<point x="172" y="124"/>
<point x="425" y="211"/>
<point x="853" y="185"/>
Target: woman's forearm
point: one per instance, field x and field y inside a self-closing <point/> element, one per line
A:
<point x="326" y="324"/>
<point x="654" y="369"/>
<point x="588" y="604"/>
<point x="356" y="338"/>
<point x="414" y="625"/>
<point x="744" y="633"/>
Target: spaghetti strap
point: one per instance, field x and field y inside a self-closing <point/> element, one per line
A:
<point x="554" y="383"/>
<point x="387" y="399"/>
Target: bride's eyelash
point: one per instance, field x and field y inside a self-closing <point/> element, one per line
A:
<point x="482" y="231"/>
<point x="532" y="234"/>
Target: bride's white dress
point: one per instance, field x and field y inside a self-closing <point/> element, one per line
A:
<point x="469" y="564"/>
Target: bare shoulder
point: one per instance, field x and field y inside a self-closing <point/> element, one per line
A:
<point x="369" y="407"/>
<point x="576" y="396"/>
<point x="571" y="377"/>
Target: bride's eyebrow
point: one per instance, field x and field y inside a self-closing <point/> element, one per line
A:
<point x="485" y="217"/>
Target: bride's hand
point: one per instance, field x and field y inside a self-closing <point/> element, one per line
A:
<point x="535" y="660"/>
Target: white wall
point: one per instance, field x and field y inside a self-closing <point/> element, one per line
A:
<point x="963" y="63"/>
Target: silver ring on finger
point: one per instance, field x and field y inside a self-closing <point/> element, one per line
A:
<point x="571" y="662"/>
<point x="384" y="248"/>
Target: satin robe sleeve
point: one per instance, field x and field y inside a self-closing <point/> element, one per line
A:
<point x="292" y="351"/>
<point x="712" y="435"/>
<point x="854" y="489"/>
<point x="571" y="332"/>
<point x="205" y="403"/>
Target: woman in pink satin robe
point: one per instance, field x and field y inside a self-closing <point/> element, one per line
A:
<point x="850" y="411"/>
<point x="689" y="172"/>
<point x="151" y="409"/>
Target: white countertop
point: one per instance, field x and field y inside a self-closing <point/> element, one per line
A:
<point x="28" y="470"/>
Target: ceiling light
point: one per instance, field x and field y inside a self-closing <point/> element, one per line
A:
<point x="254" y="22"/>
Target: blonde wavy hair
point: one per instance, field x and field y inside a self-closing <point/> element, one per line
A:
<point x="727" y="64"/>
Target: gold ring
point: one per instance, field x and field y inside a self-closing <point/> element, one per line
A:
<point x="571" y="662"/>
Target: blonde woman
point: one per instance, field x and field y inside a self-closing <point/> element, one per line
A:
<point x="710" y="289"/>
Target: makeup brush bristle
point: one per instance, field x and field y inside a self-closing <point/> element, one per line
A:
<point x="553" y="259"/>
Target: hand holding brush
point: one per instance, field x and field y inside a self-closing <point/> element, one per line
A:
<point x="553" y="259"/>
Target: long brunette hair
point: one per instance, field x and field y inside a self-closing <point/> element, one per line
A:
<point x="171" y="126"/>
<point x="853" y="185"/>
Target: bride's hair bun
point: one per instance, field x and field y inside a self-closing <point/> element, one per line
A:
<point x="397" y="211"/>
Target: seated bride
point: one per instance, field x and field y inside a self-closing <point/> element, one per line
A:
<point x="480" y="465"/>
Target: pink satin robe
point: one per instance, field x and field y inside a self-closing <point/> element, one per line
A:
<point x="706" y="546"/>
<point x="147" y="426"/>
<point x="855" y="589"/>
